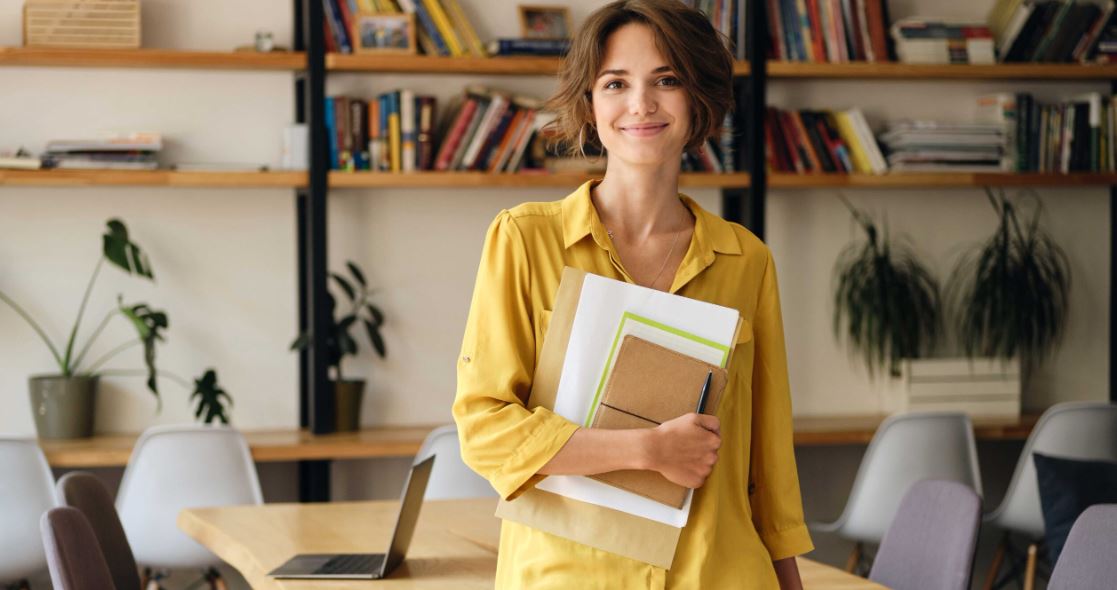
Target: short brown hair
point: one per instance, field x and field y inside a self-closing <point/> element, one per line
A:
<point x="693" y="48"/>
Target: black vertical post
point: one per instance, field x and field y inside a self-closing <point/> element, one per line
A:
<point x="299" y="44"/>
<point x="756" y="102"/>
<point x="314" y="476"/>
<point x="1112" y="277"/>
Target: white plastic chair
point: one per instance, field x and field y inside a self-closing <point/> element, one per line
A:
<point x="177" y="467"/>
<point x="1072" y="430"/>
<point x="905" y="449"/>
<point x="451" y="478"/>
<point x="26" y="492"/>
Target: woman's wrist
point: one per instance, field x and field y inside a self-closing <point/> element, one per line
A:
<point x="644" y="455"/>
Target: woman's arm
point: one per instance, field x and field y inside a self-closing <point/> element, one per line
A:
<point x="684" y="450"/>
<point x="787" y="572"/>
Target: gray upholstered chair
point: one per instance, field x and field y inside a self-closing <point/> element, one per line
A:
<point x="86" y="493"/>
<point x="1087" y="560"/>
<point x="930" y="543"/>
<point x="73" y="555"/>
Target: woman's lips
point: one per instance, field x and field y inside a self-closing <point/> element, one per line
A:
<point x="644" y="129"/>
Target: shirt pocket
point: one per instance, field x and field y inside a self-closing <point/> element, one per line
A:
<point x="740" y="368"/>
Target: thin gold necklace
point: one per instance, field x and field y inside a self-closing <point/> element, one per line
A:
<point x="662" y="267"/>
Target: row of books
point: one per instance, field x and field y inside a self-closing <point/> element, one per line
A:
<point x="836" y="31"/>
<point x="399" y="131"/>
<point x="821" y="141"/>
<point x="1054" y="31"/>
<point x="929" y="41"/>
<point x="728" y="18"/>
<point x="1078" y="135"/>
<point x="931" y="146"/>
<point x="443" y="26"/>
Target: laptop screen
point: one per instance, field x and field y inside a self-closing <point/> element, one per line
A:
<point x="410" y="503"/>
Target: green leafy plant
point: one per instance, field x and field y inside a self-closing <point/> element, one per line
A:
<point x="339" y="342"/>
<point x="886" y="304"/>
<point x="120" y="251"/>
<point x="1012" y="291"/>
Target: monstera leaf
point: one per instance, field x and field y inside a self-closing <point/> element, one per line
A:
<point x="123" y="252"/>
<point x="149" y="324"/>
<point x="210" y="395"/>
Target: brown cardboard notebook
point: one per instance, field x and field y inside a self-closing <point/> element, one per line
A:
<point x="650" y="385"/>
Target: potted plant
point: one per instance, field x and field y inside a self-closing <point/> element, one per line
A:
<point x="340" y="343"/>
<point x="886" y="303"/>
<point x="63" y="402"/>
<point x="1012" y="291"/>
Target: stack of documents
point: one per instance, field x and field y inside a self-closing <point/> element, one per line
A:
<point x="945" y="147"/>
<point x="135" y="151"/>
<point x="603" y="334"/>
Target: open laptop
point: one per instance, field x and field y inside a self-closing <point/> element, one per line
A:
<point x="367" y="566"/>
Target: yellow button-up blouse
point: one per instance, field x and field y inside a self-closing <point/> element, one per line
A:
<point x="748" y="513"/>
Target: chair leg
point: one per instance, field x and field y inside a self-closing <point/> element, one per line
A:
<point x="1030" y="570"/>
<point x="215" y="581"/>
<point x="995" y="567"/>
<point x="854" y="559"/>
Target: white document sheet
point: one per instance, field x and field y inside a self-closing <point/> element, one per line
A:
<point x="601" y="308"/>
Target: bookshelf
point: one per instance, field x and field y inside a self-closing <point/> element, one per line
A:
<point x="482" y="180"/>
<point x="151" y="58"/>
<point x="910" y="72"/>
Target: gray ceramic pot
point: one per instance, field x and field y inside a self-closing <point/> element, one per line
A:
<point x="348" y="396"/>
<point x="63" y="406"/>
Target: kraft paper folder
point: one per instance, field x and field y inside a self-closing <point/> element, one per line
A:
<point x="596" y="526"/>
<point x="650" y="385"/>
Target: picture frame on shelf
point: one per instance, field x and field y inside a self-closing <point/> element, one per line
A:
<point x="384" y="33"/>
<point x="544" y="21"/>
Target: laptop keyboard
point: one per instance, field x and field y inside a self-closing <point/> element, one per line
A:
<point x="350" y="564"/>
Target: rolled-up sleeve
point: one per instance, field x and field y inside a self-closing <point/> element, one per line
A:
<point x="501" y="439"/>
<point x="777" y="510"/>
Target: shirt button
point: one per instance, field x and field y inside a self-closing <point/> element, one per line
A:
<point x="466" y="359"/>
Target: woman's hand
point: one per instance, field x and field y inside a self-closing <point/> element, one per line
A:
<point x="685" y="449"/>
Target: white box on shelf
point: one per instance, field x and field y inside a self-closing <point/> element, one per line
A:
<point x="983" y="387"/>
<point x="296" y="155"/>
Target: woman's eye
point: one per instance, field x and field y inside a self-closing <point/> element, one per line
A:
<point x="669" y="81"/>
<point x="613" y="85"/>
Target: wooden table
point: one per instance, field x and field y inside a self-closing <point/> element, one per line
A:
<point x="454" y="544"/>
<point x="112" y="450"/>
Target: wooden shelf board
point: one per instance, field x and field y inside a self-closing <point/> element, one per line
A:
<point x="424" y="64"/>
<point x="859" y="430"/>
<point x="113" y="450"/>
<point x="151" y="58"/>
<point x="151" y="178"/>
<point x="936" y="179"/>
<point x="899" y="71"/>
<point x="482" y="179"/>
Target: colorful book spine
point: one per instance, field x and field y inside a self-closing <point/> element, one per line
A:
<point x="394" y="133"/>
<point x="444" y="27"/>
<point x="331" y="132"/>
<point x="408" y="132"/>
<point x="419" y="9"/>
<point x="464" y="28"/>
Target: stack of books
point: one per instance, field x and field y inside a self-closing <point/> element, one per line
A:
<point x="821" y="141"/>
<point x="836" y="31"/>
<point x="728" y="19"/>
<point x="1052" y="31"/>
<point x="443" y="26"/>
<point x="923" y="41"/>
<point x="930" y="146"/>
<point x="135" y="151"/>
<point x="1076" y="135"/>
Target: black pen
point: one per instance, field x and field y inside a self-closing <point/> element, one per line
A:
<point x="704" y="393"/>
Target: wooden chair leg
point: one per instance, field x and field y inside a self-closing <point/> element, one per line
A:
<point x="1030" y="569"/>
<point x="995" y="567"/>
<point x="854" y="559"/>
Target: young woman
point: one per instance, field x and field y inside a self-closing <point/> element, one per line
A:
<point x="646" y="80"/>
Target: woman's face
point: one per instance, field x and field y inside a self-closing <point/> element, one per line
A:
<point x="639" y="105"/>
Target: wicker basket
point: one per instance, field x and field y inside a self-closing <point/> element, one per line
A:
<point x="82" y="23"/>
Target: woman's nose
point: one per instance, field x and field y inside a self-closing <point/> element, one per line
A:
<point x="641" y="102"/>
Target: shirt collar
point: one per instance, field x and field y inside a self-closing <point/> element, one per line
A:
<point x="580" y="219"/>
